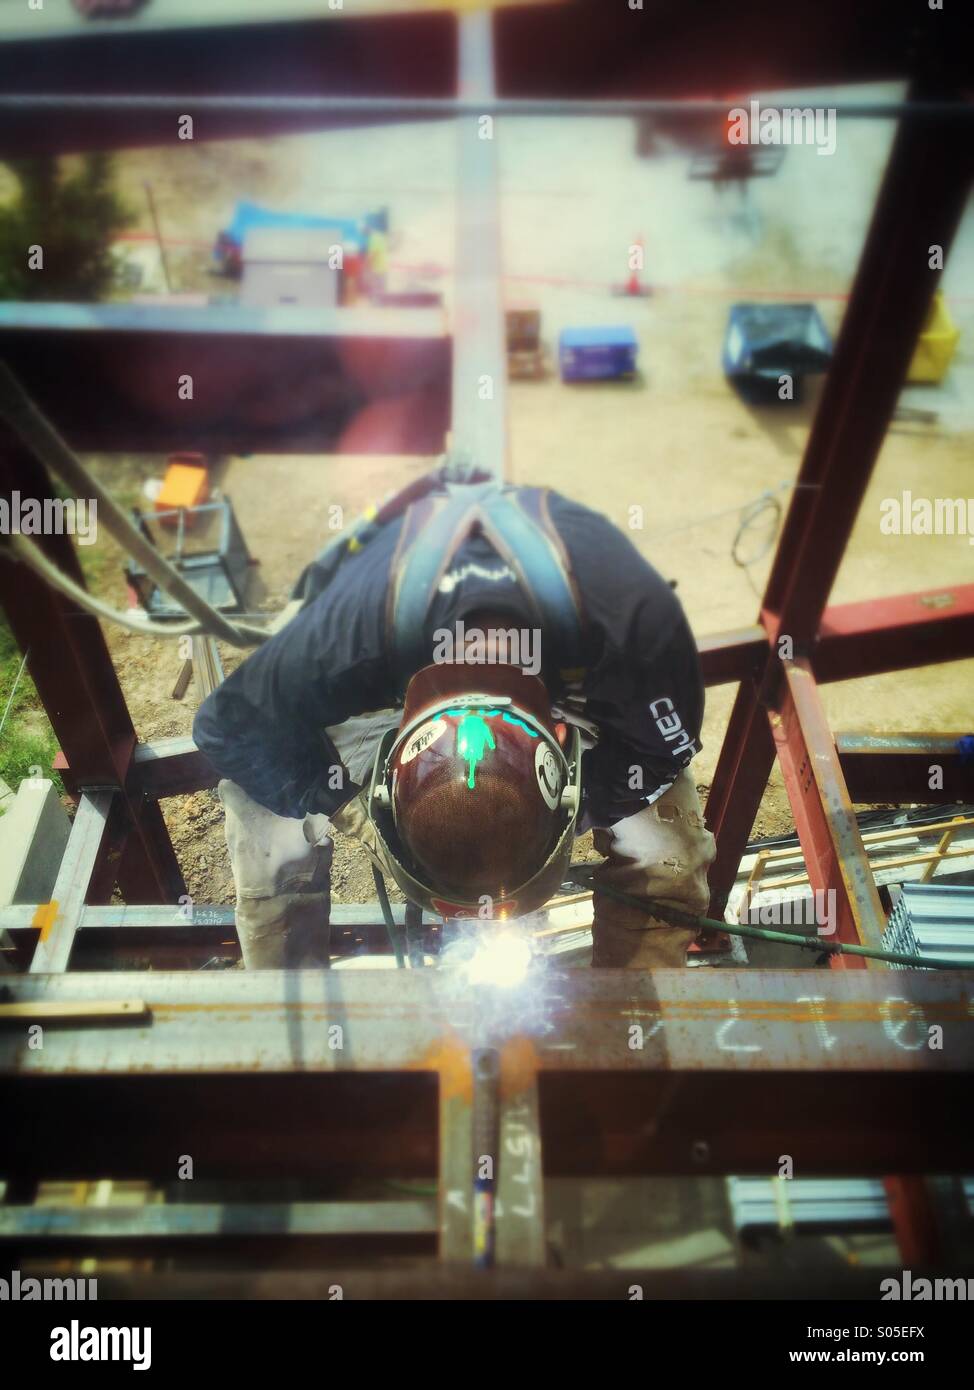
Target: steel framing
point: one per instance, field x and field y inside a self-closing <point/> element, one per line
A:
<point x="732" y="1068"/>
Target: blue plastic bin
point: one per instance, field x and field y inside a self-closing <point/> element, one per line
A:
<point x="597" y="354"/>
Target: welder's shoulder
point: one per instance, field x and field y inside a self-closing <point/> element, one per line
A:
<point x="604" y="558"/>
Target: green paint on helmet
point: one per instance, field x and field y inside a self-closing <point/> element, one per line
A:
<point x="474" y="739"/>
<point x="513" y="719"/>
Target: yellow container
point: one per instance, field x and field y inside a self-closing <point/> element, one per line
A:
<point x="936" y="346"/>
<point x="184" y="486"/>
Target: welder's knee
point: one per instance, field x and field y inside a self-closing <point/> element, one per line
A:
<point x="269" y="854"/>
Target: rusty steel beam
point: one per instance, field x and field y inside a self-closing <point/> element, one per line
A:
<point x="920" y="204"/>
<point x="736" y="1067"/>
<point x="70" y="664"/>
<point x="341" y="54"/>
<point x="895" y="634"/>
<point x="831" y="843"/>
<point x="173" y="767"/>
<point x="583" y="49"/>
<point x="230" y="379"/>
<point x="741" y="776"/>
<point x="698" y="1020"/>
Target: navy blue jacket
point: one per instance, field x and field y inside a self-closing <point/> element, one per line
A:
<point x="264" y="726"/>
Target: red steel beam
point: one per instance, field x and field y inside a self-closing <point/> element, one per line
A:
<point x="583" y="49"/>
<point x="72" y="669"/>
<point x="895" y="634"/>
<point x="263" y="381"/>
<point x="831" y="844"/>
<point x="743" y="768"/>
<point x="920" y="204"/>
<point x="859" y="639"/>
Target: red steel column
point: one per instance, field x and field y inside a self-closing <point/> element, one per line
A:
<point x="920" y="203"/>
<point x="831" y="843"/>
<point x="70" y="664"/>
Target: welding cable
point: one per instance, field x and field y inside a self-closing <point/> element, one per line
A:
<point x="32" y="555"/>
<point x="392" y="930"/>
<point x="580" y="876"/>
<point x="29" y="422"/>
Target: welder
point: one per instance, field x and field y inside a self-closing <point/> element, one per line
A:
<point x="474" y="674"/>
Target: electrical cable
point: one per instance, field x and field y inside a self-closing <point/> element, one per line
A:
<point x="751" y="513"/>
<point x="28" y="421"/>
<point x="580" y="876"/>
<point x="35" y="558"/>
<point x="391" y="929"/>
<point x="13" y="692"/>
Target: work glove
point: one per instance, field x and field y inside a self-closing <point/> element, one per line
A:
<point x="353" y="819"/>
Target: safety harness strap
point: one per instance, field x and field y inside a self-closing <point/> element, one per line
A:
<point x="517" y="525"/>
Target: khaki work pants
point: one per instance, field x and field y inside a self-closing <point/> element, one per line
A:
<point x="662" y="853"/>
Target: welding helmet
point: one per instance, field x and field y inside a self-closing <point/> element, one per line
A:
<point x="473" y="799"/>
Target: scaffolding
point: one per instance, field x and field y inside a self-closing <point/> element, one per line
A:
<point x="735" y="1067"/>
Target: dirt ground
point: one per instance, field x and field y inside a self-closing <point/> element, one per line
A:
<point x="676" y="443"/>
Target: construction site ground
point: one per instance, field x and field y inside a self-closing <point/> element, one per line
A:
<point x="677" y="442"/>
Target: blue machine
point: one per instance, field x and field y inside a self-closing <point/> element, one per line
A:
<point x="247" y="216"/>
<point x="597" y="354"/>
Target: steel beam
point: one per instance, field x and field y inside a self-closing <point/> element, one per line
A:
<point x="424" y="1281"/>
<point x="895" y="634"/>
<point x="479" y="423"/>
<point x="921" y="200"/>
<point x="920" y="203"/>
<point x="189" y="937"/>
<point x="721" y="1021"/>
<point x="172" y="1223"/>
<point x="736" y="1068"/>
<point x="282" y="380"/>
<point x="70" y="664"/>
<point x="902" y="767"/>
<point x="62" y="917"/>
<point x="742" y="772"/>
<point x="832" y="846"/>
<point x="579" y="50"/>
<point x="457" y="1154"/>
<point x="162" y="918"/>
<point x="520" y="1186"/>
<point x="172" y="767"/>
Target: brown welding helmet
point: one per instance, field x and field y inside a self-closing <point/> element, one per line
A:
<point x="473" y="797"/>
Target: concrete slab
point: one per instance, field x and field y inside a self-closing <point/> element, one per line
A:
<point x="33" y="835"/>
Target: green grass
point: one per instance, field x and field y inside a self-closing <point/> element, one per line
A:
<point x="27" y="740"/>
